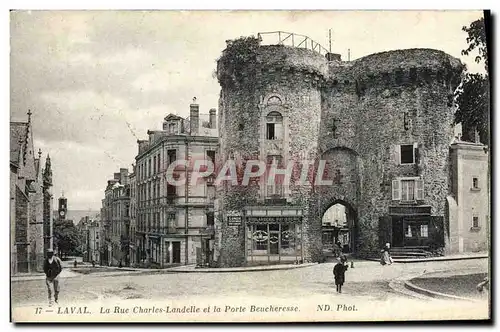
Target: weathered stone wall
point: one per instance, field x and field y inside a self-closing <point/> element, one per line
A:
<point x="394" y="87"/>
<point x="356" y="114"/>
<point x="294" y="75"/>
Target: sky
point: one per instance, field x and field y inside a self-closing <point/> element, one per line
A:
<point x="96" y="81"/>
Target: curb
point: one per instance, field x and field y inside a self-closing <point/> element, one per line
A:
<point x="409" y="285"/>
<point x="226" y="270"/>
<point x="432" y="259"/>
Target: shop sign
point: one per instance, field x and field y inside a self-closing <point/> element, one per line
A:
<point x="234" y="220"/>
<point x="273" y="219"/>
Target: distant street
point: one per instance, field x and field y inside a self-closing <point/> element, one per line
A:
<point x="367" y="280"/>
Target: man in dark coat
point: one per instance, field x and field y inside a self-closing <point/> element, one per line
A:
<point x="52" y="267"/>
<point x="339" y="272"/>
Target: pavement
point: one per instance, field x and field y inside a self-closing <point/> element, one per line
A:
<point x="114" y="271"/>
<point x="370" y="286"/>
<point x="454" y="257"/>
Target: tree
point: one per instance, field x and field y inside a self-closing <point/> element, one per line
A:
<point x="473" y="95"/>
<point x="66" y="238"/>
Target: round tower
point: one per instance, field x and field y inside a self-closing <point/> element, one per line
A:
<point x="406" y="125"/>
<point x="391" y="146"/>
<point x="270" y="110"/>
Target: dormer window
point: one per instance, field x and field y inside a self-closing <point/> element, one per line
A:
<point x="172" y="128"/>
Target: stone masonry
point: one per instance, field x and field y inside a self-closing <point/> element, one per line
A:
<point x="353" y="114"/>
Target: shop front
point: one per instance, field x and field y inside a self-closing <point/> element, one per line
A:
<point x="273" y="235"/>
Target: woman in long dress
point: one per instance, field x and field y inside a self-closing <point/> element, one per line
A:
<point x="386" y="258"/>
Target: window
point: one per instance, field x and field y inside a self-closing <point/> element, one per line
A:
<point x="424" y="231"/>
<point x="154" y="165"/>
<point x="210" y="219"/>
<point x="475" y="222"/>
<point x="171" y="222"/>
<point x="270" y="131"/>
<point x="408" y="189"/>
<point x="274" y="126"/>
<point x="171" y="190"/>
<point x="172" y="156"/>
<point x="171" y="128"/>
<point x="407" y="154"/>
<point x="211" y="156"/>
<point x="210" y="193"/>
<point x="475" y="183"/>
<point x="260" y="237"/>
<point x="276" y="188"/>
<point x="158" y="160"/>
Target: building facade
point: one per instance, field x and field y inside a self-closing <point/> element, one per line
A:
<point x="30" y="227"/>
<point x="175" y="222"/>
<point x="381" y="125"/>
<point x="133" y="252"/>
<point x="468" y="228"/>
<point x="89" y="230"/>
<point x="115" y="220"/>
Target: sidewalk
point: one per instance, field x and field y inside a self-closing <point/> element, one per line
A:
<point x="424" y="284"/>
<point x="470" y="255"/>
<point x="193" y="269"/>
<point x="68" y="273"/>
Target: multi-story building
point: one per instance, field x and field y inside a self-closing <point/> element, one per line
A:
<point x="175" y="222"/>
<point x="30" y="225"/>
<point x="468" y="224"/>
<point x="134" y="253"/>
<point x="90" y="230"/>
<point x="380" y="126"/>
<point x="115" y="217"/>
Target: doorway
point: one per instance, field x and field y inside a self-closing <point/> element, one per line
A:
<point x="176" y="252"/>
<point x="337" y="226"/>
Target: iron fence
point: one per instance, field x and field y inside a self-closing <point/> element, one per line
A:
<point x="291" y="39"/>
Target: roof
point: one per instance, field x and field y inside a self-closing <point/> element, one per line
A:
<point x="172" y="116"/>
<point x="18" y="132"/>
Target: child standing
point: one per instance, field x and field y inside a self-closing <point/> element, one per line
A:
<point x="339" y="272"/>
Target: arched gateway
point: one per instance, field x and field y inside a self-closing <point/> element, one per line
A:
<point x="336" y="201"/>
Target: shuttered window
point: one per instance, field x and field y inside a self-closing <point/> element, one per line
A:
<point x="395" y="190"/>
<point x="408" y="189"/>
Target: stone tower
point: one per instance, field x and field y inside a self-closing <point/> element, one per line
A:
<point x="378" y="130"/>
<point x="48" y="198"/>
<point x="269" y="111"/>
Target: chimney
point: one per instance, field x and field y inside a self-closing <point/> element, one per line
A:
<point x="194" y="118"/>
<point x="116" y="176"/>
<point x="124" y="176"/>
<point x="213" y="118"/>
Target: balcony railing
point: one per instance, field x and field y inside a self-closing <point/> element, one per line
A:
<point x="291" y="39"/>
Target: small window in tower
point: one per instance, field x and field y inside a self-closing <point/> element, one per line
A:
<point x="407" y="154"/>
<point x="475" y="222"/>
<point x="274" y="126"/>
<point x="270" y="131"/>
<point x="475" y="183"/>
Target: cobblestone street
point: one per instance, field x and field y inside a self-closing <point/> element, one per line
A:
<point x="367" y="280"/>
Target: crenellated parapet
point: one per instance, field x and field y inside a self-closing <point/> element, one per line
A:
<point x="271" y="63"/>
<point x="410" y="67"/>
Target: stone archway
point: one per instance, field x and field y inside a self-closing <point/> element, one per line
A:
<point x="341" y="185"/>
<point x="339" y="229"/>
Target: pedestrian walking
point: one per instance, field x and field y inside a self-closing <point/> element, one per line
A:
<point x="52" y="267"/>
<point x="339" y="272"/>
<point x="386" y="258"/>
